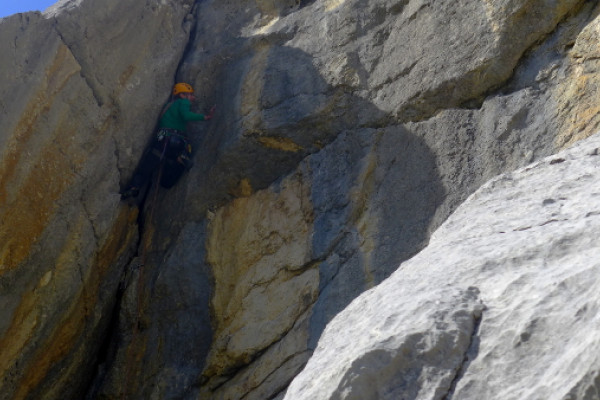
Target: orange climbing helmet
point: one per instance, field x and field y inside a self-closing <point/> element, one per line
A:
<point x="182" y="88"/>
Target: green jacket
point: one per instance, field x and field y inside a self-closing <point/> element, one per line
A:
<point x="178" y="114"/>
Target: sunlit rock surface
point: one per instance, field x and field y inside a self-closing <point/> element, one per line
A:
<point x="500" y="305"/>
<point x="346" y="133"/>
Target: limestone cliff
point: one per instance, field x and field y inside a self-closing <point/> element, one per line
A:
<point x="501" y="304"/>
<point x="347" y="132"/>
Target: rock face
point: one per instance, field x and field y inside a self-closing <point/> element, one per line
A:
<point x="501" y="304"/>
<point x="347" y="132"/>
<point x="69" y="101"/>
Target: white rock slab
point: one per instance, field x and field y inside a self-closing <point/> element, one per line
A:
<point x="502" y="304"/>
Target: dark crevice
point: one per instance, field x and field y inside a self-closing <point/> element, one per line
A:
<point x="470" y="355"/>
<point x="110" y="344"/>
<point x="107" y="351"/>
<point x="108" y="348"/>
<point x="189" y="47"/>
<point x="306" y="3"/>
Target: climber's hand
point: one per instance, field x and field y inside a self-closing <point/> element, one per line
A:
<point x="211" y="113"/>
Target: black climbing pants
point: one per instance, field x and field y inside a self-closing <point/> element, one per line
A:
<point x="171" y="147"/>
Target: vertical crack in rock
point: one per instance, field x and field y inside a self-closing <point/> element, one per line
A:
<point x="470" y="354"/>
<point x="117" y="154"/>
<point x="106" y="359"/>
<point x="108" y="346"/>
<point x="191" y="19"/>
<point x="83" y="71"/>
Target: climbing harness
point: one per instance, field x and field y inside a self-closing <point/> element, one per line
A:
<point x="168" y="132"/>
<point x="177" y="146"/>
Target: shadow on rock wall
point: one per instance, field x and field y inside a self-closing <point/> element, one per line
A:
<point x="374" y="190"/>
<point x="275" y="109"/>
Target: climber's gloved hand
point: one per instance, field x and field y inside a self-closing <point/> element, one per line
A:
<point x="211" y="113"/>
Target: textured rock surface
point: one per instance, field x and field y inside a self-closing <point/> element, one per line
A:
<point x="500" y="305"/>
<point x="69" y="104"/>
<point x="346" y="133"/>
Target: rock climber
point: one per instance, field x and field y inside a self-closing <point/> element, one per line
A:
<point x="171" y="142"/>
